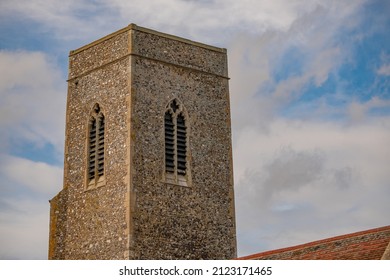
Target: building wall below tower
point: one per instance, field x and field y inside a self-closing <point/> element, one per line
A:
<point x="57" y="228"/>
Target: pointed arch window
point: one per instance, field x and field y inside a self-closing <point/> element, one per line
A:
<point x="95" y="159"/>
<point x="176" y="144"/>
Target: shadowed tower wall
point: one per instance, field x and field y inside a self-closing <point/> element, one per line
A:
<point x="148" y="158"/>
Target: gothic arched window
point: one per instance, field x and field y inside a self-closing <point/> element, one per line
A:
<point x="96" y="147"/>
<point x="176" y="166"/>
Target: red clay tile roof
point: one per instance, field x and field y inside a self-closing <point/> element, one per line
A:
<point x="364" y="245"/>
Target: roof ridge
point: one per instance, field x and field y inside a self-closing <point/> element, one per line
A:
<point x="317" y="242"/>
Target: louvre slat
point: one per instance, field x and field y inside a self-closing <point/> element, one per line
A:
<point x="181" y="145"/>
<point x="169" y="143"/>
<point x="92" y="147"/>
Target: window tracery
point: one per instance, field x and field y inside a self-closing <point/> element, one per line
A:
<point x="96" y="147"/>
<point x="176" y="144"/>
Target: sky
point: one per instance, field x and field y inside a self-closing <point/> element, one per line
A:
<point x="310" y="107"/>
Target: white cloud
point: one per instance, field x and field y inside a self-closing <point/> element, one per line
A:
<point x="25" y="189"/>
<point x="359" y="111"/>
<point x="384" y="70"/>
<point x="24" y="229"/>
<point x="257" y="94"/>
<point x="67" y="20"/>
<point x="39" y="177"/>
<point x="204" y="20"/>
<point x="32" y="111"/>
<point x="32" y="96"/>
<point x="306" y="180"/>
<point x="219" y="14"/>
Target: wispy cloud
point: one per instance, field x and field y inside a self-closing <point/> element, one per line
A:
<point x="384" y="70"/>
<point x="359" y="111"/>
<point x="65" y="20"/>
<point x="32" y="94"/>
<point x="25" y="188"/>
<point x="32" y="109"/>
<point x="24" y="228"/>
<point x="38" y="177"/>
<point x="273" y="69"/>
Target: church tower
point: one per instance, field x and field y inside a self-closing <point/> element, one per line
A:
<point x="148" y="170"/>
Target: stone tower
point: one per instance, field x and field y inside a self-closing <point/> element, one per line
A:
<point x="148" y="157"/>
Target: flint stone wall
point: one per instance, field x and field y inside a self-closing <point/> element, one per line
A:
<point x="133" y="74"/>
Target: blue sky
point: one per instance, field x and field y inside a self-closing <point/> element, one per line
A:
<point x="310" y="107"/>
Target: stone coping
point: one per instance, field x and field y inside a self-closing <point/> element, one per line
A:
<point x="133" y="26"/>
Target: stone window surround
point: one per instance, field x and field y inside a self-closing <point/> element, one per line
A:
<point x="95" y="113"/>
<point x="174" y="178"/>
